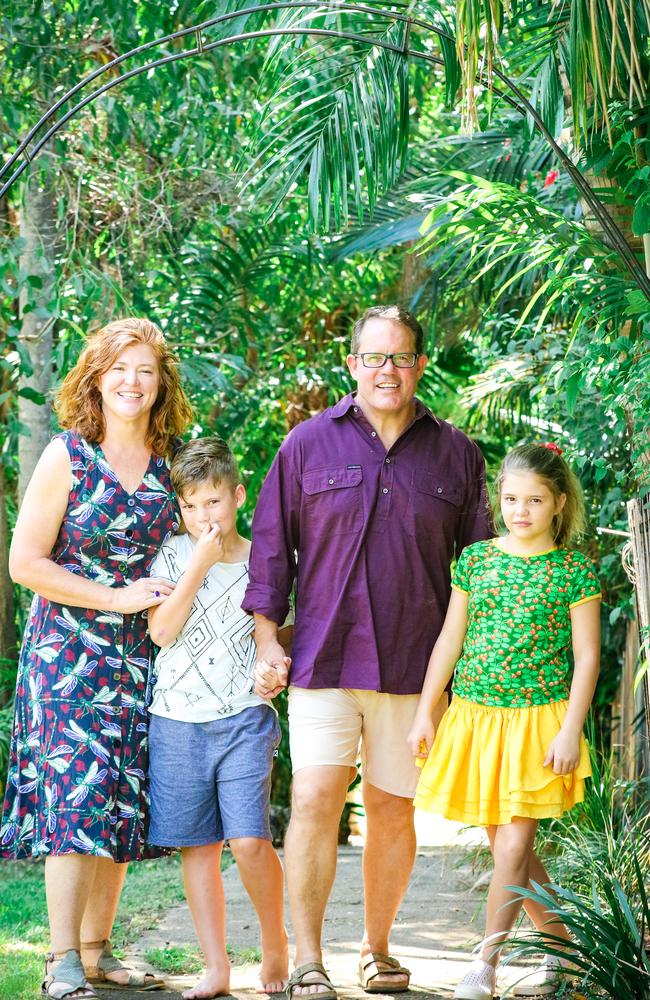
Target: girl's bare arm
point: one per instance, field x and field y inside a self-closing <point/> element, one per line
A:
<point x="444" y="657"/>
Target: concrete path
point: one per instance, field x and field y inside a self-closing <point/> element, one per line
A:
<point x="440" y="921"/>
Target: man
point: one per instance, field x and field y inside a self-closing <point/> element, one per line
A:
<point x="364" y="508"/>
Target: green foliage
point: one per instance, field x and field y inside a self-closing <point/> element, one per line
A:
<point x="175" y="959"/>
<point x="608" y="927"/>
<point x="151" y="887"/>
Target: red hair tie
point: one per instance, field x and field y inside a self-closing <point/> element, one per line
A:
<point x="552" y="446"/>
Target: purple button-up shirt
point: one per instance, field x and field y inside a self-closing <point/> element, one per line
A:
<point x="368" y="535"/>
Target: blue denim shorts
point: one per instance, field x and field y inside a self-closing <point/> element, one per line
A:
<point x="211" y="781"/>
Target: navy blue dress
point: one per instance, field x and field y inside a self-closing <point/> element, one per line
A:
<point x="78" y="756"/>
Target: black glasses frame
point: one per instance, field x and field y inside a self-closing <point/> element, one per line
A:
<point x="387" y="357"/>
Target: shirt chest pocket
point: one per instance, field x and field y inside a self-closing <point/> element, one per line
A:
<point x="333" y="500"/>
<point x="434" y="501"/>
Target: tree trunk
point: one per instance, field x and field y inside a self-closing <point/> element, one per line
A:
<point x="7" y="622"/>
<point x="38" y="312"/>
<point x="7" y="611"/>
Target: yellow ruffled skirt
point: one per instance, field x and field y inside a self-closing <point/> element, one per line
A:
<point x="486" y="765"/>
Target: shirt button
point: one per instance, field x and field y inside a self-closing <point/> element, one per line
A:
<point x="331" y="482"/>
<point x="356" y="409"/>
<point x="373" y="434"/>
<point x="385" y="489"/>
<point x="122" y="567"/>
<point x="117" y="677"/>
<point x="388" y="461"/>
<point x="131" y="502"/>
<point x="129" y="533"/>
<point x="440" y="489"/>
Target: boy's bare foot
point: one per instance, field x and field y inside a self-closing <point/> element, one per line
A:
<point x="275" y="969"/>
<point x="214" y="984"/>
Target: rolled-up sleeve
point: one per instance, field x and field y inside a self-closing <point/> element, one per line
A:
<point x="272" y="565"/>
<point x="476" y="523"/>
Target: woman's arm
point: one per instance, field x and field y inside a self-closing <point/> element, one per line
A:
<point x="444" y="657"/>
<point x="564" y="751"/>
<point x="37" y="528"/>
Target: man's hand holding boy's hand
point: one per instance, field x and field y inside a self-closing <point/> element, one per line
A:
<point x="271" y="673"/>
<point x="209" y="546"/>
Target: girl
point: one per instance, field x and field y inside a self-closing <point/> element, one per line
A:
<point x="509" y="751"/>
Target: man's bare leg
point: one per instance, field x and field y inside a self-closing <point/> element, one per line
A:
<point x="387" y="864"/>
<point x="310" y="849"/>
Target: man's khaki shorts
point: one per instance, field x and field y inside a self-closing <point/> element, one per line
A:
<point x="326" y="726"/>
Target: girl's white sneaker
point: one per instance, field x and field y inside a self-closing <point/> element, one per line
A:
<point x="478" y="983"/>
<point x="541" y="981"/>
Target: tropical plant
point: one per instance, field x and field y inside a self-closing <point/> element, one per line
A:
<point x="609" y="947"/>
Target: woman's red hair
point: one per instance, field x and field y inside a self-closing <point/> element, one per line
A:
<point x="78" y="403"/>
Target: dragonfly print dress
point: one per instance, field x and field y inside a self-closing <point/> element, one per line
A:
<point x="78" y="755"/>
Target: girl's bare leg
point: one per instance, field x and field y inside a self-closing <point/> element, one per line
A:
<point x="204" y="891"/>
<point x="261" y="873"/>
<point x="541" y="918"/>
<point x="512" y="846"/>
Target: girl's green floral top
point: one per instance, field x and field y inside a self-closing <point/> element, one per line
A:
<point x="519" y="623"/>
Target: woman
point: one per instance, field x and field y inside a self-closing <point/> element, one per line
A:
<point x="97" y="509"/>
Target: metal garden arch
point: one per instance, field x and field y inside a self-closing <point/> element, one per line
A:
<point x="49" y="124"/>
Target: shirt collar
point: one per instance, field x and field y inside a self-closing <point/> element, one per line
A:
<point x="347" y="403"/>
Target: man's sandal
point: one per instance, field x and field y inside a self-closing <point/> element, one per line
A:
<point x="68" y="979"/>
<point x="107" y="965"/>
<point x="369" y="970"/>
<point x="299" y="975"/>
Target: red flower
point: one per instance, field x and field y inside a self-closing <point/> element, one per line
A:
<point x="551" y="178"/>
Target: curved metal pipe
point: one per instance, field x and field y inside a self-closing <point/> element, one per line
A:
<point x="612" y="230"/>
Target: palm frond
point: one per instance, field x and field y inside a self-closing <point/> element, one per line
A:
<point x="506" y="154"/>
<point x="484" y="230"/>
<point x="339" y="115"/>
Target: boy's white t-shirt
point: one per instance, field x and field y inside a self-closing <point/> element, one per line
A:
<point x="207" y="672"/>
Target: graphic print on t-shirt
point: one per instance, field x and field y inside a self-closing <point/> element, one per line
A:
<point x="206" y="673"/>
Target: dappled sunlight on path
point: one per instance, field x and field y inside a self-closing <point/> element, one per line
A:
<point x="439" y="924"/>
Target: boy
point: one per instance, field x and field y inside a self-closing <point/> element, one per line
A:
<point x="211" y="739"/>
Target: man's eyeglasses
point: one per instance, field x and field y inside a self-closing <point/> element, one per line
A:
<point x="405" y="359"/>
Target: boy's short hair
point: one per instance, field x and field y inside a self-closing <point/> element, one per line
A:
<point x="207" y="459"/>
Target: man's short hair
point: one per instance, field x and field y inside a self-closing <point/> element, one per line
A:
<point x="202" y="460"/>
<point x="396" y="313"/>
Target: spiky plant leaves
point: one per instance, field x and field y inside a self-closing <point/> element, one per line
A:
<point x="338" y="114"/>
<point x="607" y="931"/>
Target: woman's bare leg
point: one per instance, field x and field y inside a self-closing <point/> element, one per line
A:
<point x="68" y="882"/>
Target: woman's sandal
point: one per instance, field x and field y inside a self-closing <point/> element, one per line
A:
<point x="107" y="964"/>
<point x="369" y="970"/>
<point x="298" y="978"/>
<point x="68" y="979"/>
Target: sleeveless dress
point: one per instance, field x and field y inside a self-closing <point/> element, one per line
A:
<point x="511" y="686"/>
<point x="78" y="755"/>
